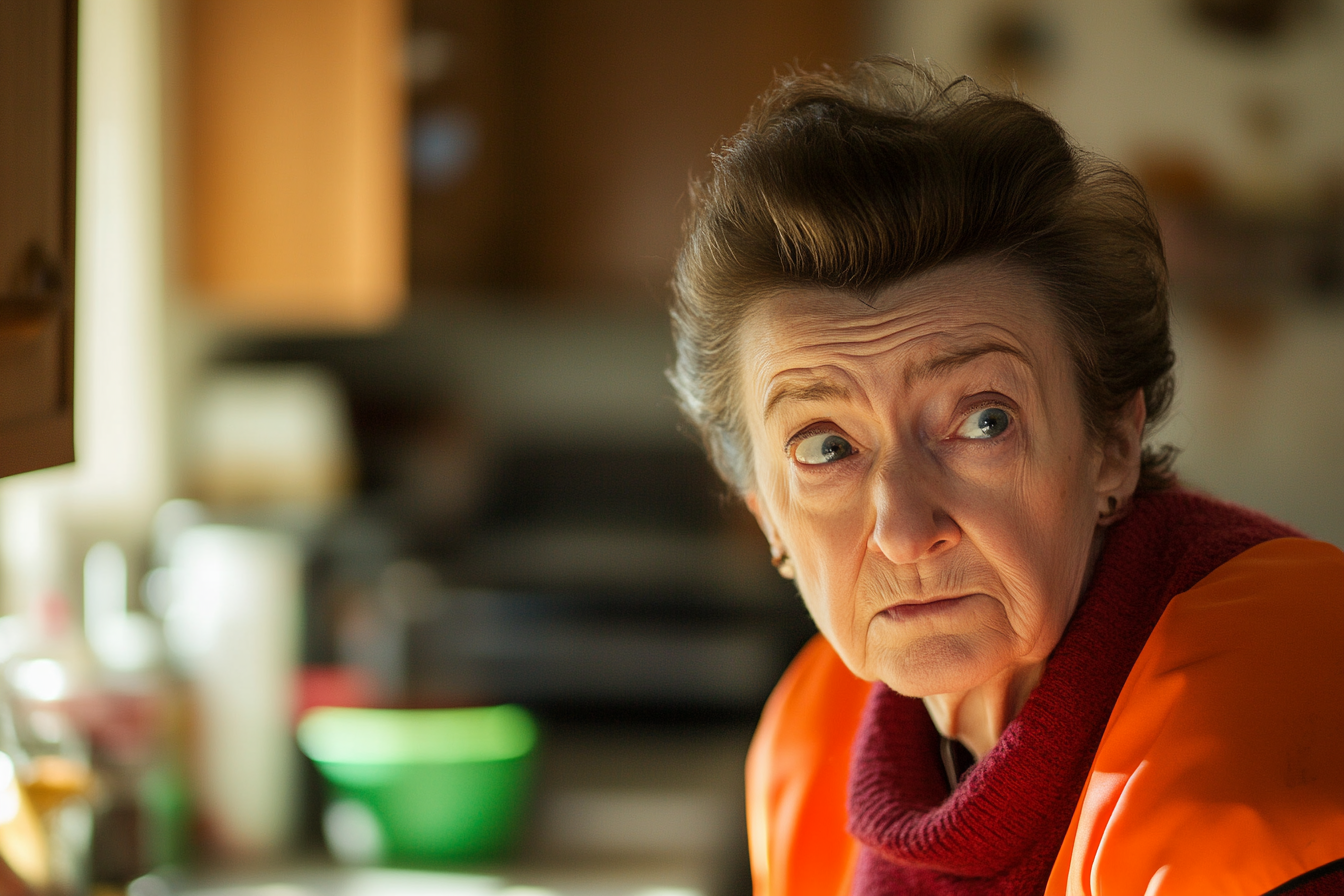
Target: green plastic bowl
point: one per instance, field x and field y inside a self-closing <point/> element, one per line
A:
<point x="444" y="785"/>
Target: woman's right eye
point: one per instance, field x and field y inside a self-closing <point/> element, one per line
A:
<point x="822" y="448"/>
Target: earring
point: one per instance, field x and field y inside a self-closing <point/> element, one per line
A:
<point x="783" y="563"/>
<point x="1112" y="508"/>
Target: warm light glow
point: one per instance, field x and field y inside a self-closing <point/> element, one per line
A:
<point x="9" y="790"/>
<point x="40" y="679"/>
<point x="23" y="844"/>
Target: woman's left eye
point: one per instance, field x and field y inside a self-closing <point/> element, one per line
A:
<point x="985" y="423"/>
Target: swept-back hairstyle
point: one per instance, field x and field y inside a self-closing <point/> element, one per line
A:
<point x="854" y="181"/>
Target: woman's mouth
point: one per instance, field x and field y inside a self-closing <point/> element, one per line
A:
<point x="923" y="609"/>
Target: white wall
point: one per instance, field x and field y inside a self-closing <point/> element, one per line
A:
<point x="1130" y="76"/>
<point x="1261" y="420"/>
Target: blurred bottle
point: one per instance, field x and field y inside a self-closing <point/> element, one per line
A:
<point x="135" y="730"/>
<point x="232" y="625"/>
<point x="48" y="694"/>
<point x="25" y="861"/>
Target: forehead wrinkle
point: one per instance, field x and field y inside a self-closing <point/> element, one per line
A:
<point x="950" y="349"/>
<point x="850" y="335"/>
<point x="817" y="385"/>
<point x="905" y="327"/>
<point x="858" y="336"/>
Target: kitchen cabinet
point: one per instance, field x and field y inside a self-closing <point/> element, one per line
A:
<point x="37" y="128"/>
<point x="553" y="145"/>
<point x="292" y="190"/>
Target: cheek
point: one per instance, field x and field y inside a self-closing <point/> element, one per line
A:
<point x="1068" y="500"/>
<point x="828" y="542"/>
<point x="1043" y="548"/>
<point x="1019" y="521"/>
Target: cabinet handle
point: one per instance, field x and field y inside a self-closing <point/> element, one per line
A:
<point x="37" y="274"/>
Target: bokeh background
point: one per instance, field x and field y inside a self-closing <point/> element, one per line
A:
<point x="476" y="477"/>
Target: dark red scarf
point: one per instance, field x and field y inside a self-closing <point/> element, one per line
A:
<point x="1000" y="830"/>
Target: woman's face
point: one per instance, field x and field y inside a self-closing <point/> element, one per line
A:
<point x="925" y="465"/>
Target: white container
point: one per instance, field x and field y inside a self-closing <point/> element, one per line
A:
<point x="233" y="627"/>
<point x="271" y="434"/>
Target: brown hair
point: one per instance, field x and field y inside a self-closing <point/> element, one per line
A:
<point x="855" y="181"/>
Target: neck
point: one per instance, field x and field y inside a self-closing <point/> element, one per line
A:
<point x="978" y="717"/>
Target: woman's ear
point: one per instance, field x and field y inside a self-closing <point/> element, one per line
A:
<point x="1121" y="460"/>
<point x="779" y="555"/>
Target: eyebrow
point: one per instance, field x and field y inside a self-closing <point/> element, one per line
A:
<point x="940" y="364"/>
<point x="819" y="390"/>
<point x="813" y="391"/>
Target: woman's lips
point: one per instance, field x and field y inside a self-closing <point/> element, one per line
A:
<point x="924" y="609"/>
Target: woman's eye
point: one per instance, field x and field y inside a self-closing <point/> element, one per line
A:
<point x="985" y="424"/>
<point x="822" y="448"/>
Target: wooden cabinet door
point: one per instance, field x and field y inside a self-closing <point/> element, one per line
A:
<point x="294" y="187"/>
<point x="578" y="124"/>
<point x="37" y="91"/>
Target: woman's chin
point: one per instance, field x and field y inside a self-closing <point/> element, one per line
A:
<point x="940" y="664"/>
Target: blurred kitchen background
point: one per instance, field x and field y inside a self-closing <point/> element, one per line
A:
<point x="370" y="409"/>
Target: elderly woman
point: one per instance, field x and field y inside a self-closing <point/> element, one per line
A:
<point x="923" y="335"/>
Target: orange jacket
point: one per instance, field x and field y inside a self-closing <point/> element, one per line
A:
<point x="1220" y="770"/>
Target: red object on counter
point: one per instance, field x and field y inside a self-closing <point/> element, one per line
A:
<point x="332" y="686"/>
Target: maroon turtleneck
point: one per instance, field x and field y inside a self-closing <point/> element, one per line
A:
<point x="999" y="831"/>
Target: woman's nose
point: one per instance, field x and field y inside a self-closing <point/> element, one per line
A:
<point x="911" y="523"/>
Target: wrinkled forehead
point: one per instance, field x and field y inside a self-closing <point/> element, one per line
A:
<point x="963" y="308"/>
